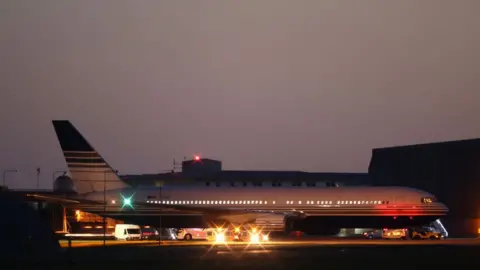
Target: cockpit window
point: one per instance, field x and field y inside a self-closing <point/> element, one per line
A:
<point x="428" y="199"/>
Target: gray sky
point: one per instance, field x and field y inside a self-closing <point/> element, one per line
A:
<point x="265" y="84"/>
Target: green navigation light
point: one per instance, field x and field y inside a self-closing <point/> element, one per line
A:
<point x="127" y="201"/>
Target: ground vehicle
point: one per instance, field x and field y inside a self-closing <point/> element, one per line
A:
<point x="192" y="233"/>
<point x="426" y="233"/>
<point x="225" y="235"/>
<point x="149" y="233"/>
<point x="395" y="234"/>
<point x="374" y="234"/>
<point x="127" y="232"/>
<point x="221" y="235"/>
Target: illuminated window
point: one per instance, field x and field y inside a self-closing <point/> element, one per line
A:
<point x="223" y="202"/>
<point x="260" y="202"/>
<point x="288" y="202"/>
<point x="299" y="202"/>
<point x="273" y="202"/>
<point x="338" y="202"/>
<point x="256" y="202"/>
<point x="266" y="202"/>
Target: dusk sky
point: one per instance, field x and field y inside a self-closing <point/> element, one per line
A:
<point x="260" y="84"/>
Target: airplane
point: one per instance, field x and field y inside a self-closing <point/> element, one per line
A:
<point x="311" y="209"/>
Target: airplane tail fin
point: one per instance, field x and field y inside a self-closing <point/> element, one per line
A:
<point x="89" y="171"/>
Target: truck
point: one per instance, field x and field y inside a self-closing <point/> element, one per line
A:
<point x="127" y="232"/>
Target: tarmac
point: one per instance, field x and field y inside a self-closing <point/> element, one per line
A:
<point x="281" y="254"/>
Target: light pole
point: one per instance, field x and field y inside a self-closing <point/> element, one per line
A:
<point x="160" y="218"/>
<point x="5" y="174"/>
<point x="105" y="206"/>
<point x="38" y="178"/>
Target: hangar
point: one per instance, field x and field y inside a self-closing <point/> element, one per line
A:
<point x="210" y="171"/>
<point x="449" y="170"/>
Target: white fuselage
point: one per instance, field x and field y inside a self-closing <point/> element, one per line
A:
<point x="308" y="200"/>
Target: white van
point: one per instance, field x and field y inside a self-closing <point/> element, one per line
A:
<point x="127" y="232"/>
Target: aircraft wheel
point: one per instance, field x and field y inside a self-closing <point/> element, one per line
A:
<point x="187" y="237"/>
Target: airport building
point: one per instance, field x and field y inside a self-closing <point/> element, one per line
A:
<point x="449" y="170"/>
<point x="210" y="171"/>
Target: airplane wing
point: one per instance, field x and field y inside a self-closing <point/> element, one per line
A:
<point x="61" y="200"/>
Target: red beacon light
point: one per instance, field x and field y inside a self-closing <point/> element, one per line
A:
<point x="196" y="158"/>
